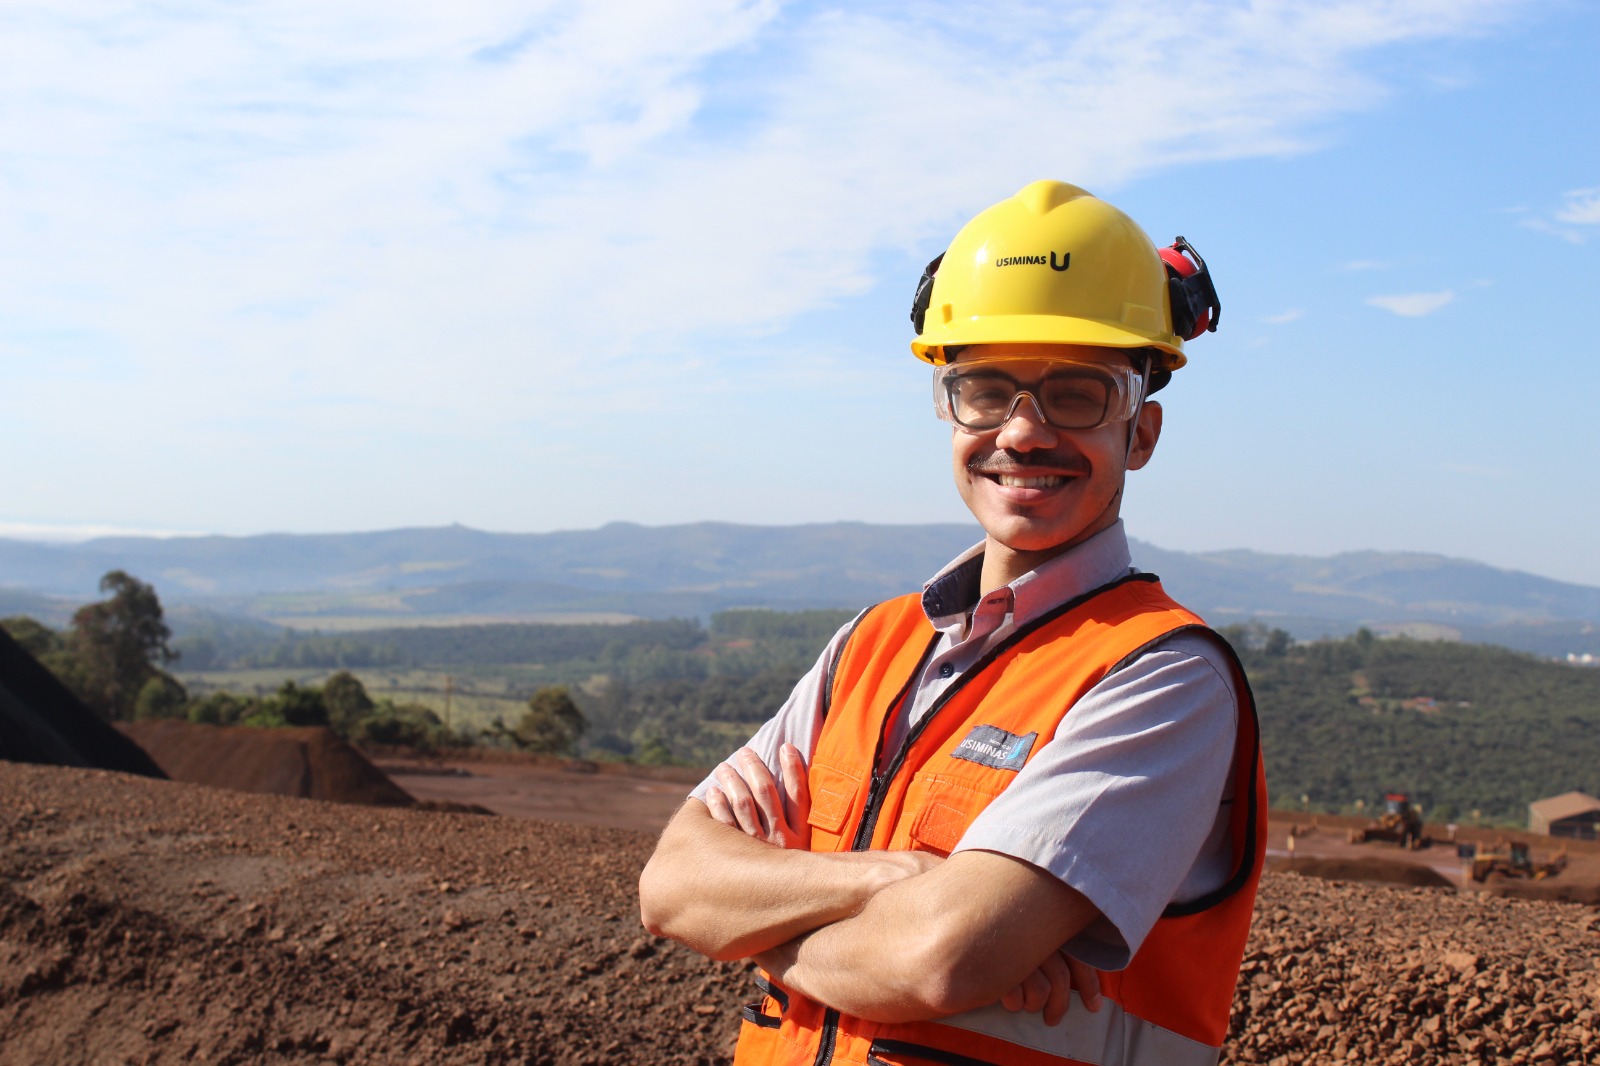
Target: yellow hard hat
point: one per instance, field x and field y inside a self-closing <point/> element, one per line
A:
<point x="1055" y="265"/>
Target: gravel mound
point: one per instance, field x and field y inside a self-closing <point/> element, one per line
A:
<point x="1380" y="871"/>
<point x="311" y="762"/>
<point x="159" y="922"/>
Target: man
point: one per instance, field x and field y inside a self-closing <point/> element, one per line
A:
<point x="1041" y="766"/>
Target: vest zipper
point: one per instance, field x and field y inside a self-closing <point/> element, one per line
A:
<point x="880" y="783"/>
<point x="830" y="1033"/>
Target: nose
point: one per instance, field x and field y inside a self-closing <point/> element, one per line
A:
<point x="1025" y="428"/>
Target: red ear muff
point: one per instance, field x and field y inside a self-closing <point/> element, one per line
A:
<point x="1195" y="307"/>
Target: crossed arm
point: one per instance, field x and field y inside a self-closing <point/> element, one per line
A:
<point x="887" y="936"/>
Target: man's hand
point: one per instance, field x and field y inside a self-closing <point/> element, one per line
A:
<point x="1048" y="990"/>
<point x="747" y="798"/>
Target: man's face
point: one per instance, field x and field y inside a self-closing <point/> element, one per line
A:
<point x="1038" y="489"/>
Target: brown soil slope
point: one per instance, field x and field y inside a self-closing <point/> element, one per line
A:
<point x="311" y="762"/>
<point x="157" y="922"/>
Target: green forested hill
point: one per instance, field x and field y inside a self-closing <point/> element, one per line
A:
<point x="1462" y="727"/>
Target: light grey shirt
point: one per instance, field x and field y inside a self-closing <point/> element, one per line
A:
<point x="1128" y="803"/>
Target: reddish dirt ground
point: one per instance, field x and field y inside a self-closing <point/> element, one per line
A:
<point x="550" y="789"/>
<point x="158" y="922"/>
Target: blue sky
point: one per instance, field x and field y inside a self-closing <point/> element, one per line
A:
<point x="533" y="266"/>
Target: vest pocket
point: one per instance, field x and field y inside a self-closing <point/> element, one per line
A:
<point x="833" y="794"/>
<point x="943" y="809"/>
<point x="757" y="1014"/>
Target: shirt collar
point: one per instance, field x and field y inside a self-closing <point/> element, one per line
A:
<point x="1100" y="560"/>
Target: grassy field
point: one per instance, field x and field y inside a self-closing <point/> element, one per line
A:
<point x="473" y="702"/>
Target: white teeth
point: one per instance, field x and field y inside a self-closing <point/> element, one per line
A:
<point x="1030" y="482"/>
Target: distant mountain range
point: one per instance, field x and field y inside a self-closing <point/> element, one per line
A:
<point x="430" y="576"/>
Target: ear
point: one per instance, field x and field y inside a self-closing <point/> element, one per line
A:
<point x="1145" y="435"/>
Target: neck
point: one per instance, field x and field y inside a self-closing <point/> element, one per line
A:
<point x="1002" y="565"/>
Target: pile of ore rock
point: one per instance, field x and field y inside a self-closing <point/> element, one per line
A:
<point x="1343" y="972"/>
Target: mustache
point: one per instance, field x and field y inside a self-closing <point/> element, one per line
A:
<point x="1004" y="462"/>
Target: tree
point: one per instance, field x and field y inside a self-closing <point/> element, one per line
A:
<point x="36" y="638"/>
<point x="219" y="708"/>
<point x="296" y="706"/>
<point x="404" y="725"/>
<point x="118" y="644"/>
<point x="552" y="723"/>
<point x="347" y="702"/>
<point x="160" y="697"/>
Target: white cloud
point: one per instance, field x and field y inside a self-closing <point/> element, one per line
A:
<point x="1291" y="315"/>
<point x="1580" y="208"/>
<point x="295" y="221"/>
<point x="1414" y="304"/>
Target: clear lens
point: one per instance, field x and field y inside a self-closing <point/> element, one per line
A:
<point x="982" y="396"/>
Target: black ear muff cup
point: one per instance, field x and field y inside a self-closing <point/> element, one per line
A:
<point x="1195" y="307"/>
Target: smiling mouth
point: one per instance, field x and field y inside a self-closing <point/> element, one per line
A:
<point x="1013" y="481"/>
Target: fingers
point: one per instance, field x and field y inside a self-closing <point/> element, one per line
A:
<point x="1035" y="989"/>
<point x="764" y="790"/>
<point x="1048" y="990"/>
<point x="746" y="814"/>
<point x="1058" y="980"/>
<point x="718" y="804"/>
<point x="751" y="800"/>
<point x="1086" y="981"/>
<point x="796" y="788"/>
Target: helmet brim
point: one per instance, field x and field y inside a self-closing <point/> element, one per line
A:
<point x="1042" y="329"/>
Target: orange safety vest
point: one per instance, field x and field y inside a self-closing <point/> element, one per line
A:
<point x="1169" y="1007"/>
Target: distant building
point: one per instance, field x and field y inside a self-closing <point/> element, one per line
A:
<point x="1572" y="814"/>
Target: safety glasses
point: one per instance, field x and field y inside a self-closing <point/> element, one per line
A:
<point x="982" y="395"/>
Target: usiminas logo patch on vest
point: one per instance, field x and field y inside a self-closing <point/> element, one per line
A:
<point x="989" y="745"/>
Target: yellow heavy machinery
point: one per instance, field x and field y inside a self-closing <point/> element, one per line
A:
<point x="1508" y="859"/>
<point x="1400" y="823"/>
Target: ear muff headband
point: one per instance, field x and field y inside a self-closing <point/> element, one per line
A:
<point x="924" y="297"/>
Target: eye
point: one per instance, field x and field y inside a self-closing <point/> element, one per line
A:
<point x="1075" y="392"/>
<point x="984" y="390"/>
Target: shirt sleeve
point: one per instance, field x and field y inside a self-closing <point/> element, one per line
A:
<point x="798" y="720"/>
<point x="1128" y="802"/>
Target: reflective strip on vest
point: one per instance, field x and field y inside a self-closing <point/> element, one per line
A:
<point x="1107" y="1037"/>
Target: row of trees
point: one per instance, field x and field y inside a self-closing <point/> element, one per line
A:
<point x="114" y="657"/>
<point x="552" y="724"/>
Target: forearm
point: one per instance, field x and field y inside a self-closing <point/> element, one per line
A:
<point x="958" y="937"/>
<point x="729" y="896"/>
